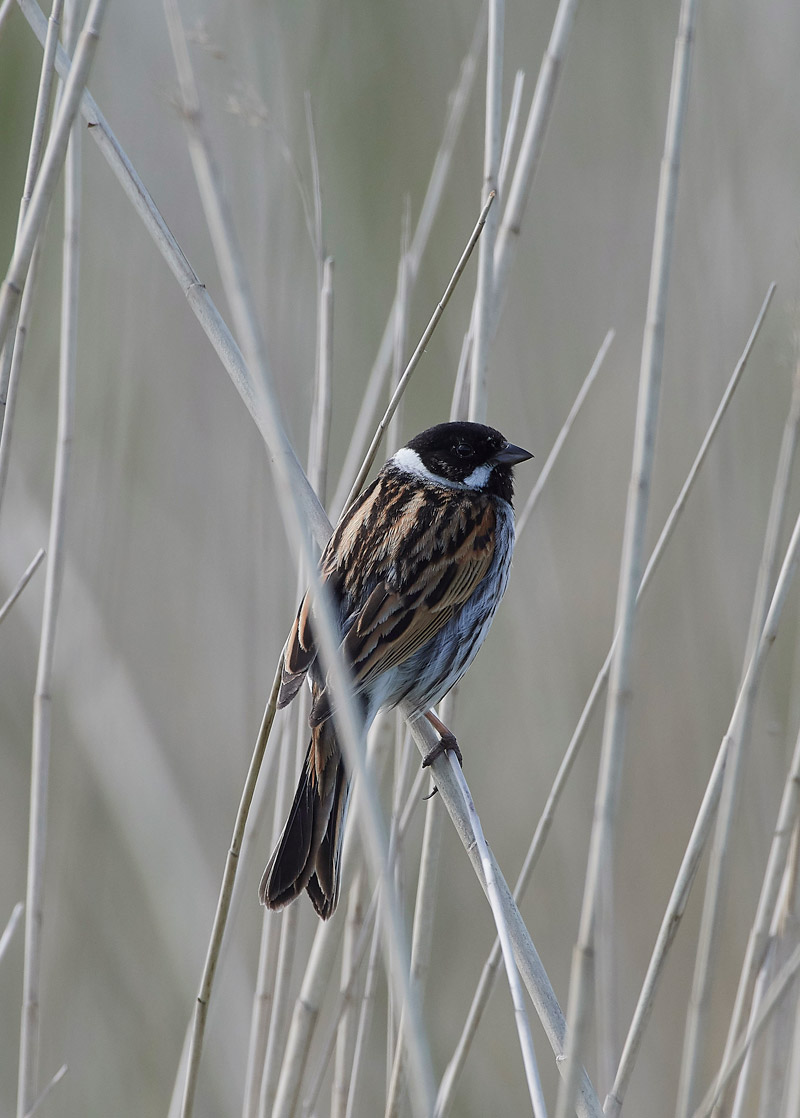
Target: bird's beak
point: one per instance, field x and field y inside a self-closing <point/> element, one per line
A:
<point x="510" y="455"/>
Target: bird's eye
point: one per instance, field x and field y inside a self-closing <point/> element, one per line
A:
<point x="463" y="450"/>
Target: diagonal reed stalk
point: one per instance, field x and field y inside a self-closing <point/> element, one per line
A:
<point x="25" y="578"/>
<point x="11" y="927"/>
<point x="561" y="438"/>
<point x="44" y="1094"/>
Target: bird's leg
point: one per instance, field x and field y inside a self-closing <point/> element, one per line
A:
<point x="447" y="741"/>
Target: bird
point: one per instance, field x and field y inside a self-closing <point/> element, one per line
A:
<point x="415" y="570"/>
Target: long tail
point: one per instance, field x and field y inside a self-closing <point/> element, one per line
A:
<point x="309" y="851"/>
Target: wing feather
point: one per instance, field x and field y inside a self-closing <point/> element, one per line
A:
<point x="399" y="566"/>
<point x="397" y="621"/>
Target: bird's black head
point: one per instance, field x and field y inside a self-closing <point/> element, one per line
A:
<point x="463" y="454"/>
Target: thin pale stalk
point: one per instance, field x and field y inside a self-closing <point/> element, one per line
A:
<point x="781" y="942"/>
<point x="42" y="110"/>
<point x="50" y="169"/>
<point x="510" y="135"/>
<point x="262" y="1009"/>
<point x="364" y="1018"/>
<point x="27" y="575"/>
<point x="345" y="1034"/>
<point x="708" y="939"/>
<point x="316" y="187"/>
<point x="489" y="973"/>
<point x="484" y="297"/>
<point x="401" y="322"/>
<point x="459" y="403"/>
<point x="433" y="195"/>
<point x="11" y="927"/>
<point x="772" y="999"/>
<point x="323" y="394"/>
<point x="20" y="336"/>
<point x="422" y="933"/>
<point x="367" y="1001"/>
<point x="601" y="843"/>
<point x="5" y="8"/>
<point x="700" y="832"/>
<point x="759" y="938"/>
<point x="424" y="909"/>
<point x="42" y="703"/>
<point x="62" y="1071"/>
<point x="591" y="376"/>
<point x="530" y="150"/>
<point x="762" y="983"/>
<point x="498" y="912"/>
<point x="777" y="1047"/>
<point x="459" y="406"/>
<point x="40" y="115"/>
<point x="226" y="888"/>
<point x="792" y="1107"/>
<point x="264" y="996"/>
<point x="605" y="994"/>
<point x="401" y="753"/>
<point x="417" y="354"/>
<point x="276" y="1040"/>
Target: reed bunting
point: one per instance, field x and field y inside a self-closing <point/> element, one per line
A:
<point x="415" y="569"/>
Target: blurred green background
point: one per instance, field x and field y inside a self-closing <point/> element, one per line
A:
<point x="180" y="584"/>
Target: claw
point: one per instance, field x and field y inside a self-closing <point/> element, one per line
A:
<point x="446" y="743"/>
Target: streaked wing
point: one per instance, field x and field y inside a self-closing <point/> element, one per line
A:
<point x="301" y="651"/>
<point x="398" y="619"/>
<point x="298" y="656"/>
<point x="400" y="564"/>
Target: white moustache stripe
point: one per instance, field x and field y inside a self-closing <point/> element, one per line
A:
<point x="410" y="462"/>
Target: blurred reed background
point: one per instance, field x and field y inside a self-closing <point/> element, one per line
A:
<point x="180" y="582"/>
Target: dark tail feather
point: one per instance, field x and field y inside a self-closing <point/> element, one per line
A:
<point x="323" y="885"/>
<point x="309" y="849"/>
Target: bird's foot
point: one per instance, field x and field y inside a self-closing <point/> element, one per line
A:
<point x="446" y="744"/>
